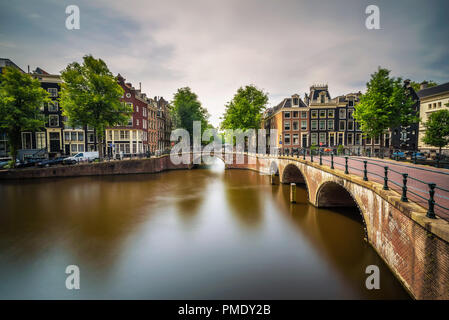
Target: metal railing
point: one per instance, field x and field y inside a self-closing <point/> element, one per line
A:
<point x="428" y="194"/>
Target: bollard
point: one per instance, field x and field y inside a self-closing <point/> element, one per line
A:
<point x="365" y="171"/>
<point x="332" y="160"/>
<point x="404" y="188"/>
<point x="321" y="159"/>
<point x="311" y="155"/>
<point x="304" y="154"/>
<point x="293" y="192"/>
<point x="386" y="179"/>
<point x="346" y="165"/>
<point x="431" y="212"/>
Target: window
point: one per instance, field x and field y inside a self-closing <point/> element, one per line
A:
<point x="26" y="140"/>
<point x="137" y="108"/>
<point x="304" y="114"/>
<point x="130" y="121"/>
<point x="74" y="148"/>
<point x="295" y="114"/>
<point x="134" y="135"/>
<point x="340" y="138"/>
<point x="350" y="113"/>
<point x="350" y="125"/>
<point x="303" y="124"/>
<point x="377" y="140"/>
<point x="137" y="122"/>
<point x="287" y="125"/>
<point x="322" y="97"/>
<point x="350" y="138"/>
<point x="342" y="125"/>
<point x="351" y="102"/>
<point x="81" y="148"/>
<point x="287" y="115"/>
<point x="295" y="101"/>
<point x="342" y="113"/>
<point x="439" y="104"/>
<point x="53" y="120"/>
<point x="66" y="136"/>
<point x="314" y="114"/>
<point x="91" y="138"/>
<point x="295" y="125"/>
<point x="330" y="124"/>
<point x="331" y="139"/>
<point x="322" y="124"/>
<point x="53" y="106"/>
<point x="53" y="92"/>
<point x="287" y="138"/>
<point x="314" y="138"/>
<point x="322" y="113"/>
<point x="81" y="136"/>
<point x="358" y="138"/>
<point x="323" y="137"/>
<point x="144" y="112"/>
<point x="296" y="139"/>
<point x="331" y="113"/>
<point x="314" y="124"/>
<point x="368" y="140"/>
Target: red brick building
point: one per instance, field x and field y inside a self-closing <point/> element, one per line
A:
<point x="131" y="139"/>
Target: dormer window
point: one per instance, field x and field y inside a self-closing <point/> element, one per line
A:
<point x="322" y="98"/>
<point x="295" y="101"/>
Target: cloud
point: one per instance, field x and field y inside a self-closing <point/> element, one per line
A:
<point x="217" y="46"/>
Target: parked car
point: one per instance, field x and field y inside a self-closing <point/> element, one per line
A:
<point x="51" y="162"/>
<point x="398" y="155"/>
<point x="418" y="156"/>
<point x="29" y="162"/>
<point x="81" y="157"/>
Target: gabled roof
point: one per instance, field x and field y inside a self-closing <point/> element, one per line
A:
<point x="442" y="88"/>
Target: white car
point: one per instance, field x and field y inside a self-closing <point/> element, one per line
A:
<point x="82" y="157"/>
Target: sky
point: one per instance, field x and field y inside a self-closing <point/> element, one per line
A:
<point x="215" y="47"/>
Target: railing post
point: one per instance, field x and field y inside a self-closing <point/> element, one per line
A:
<point x="321" y="159"/>
<point x="431" y="212"/>
<point x="438" y="161"/>
<point x="404" y="187"/>
<point x="365" y="171"/>
<point x="346" y="165"/>
<point x="386" y="179"/>
<point x="311" y="155"/>
<point x="304" y="154"/>
<point x="332" y="160"/>
<point x="414" y="157"/>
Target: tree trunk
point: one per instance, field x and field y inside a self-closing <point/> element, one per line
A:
<point x="14" y="144"/>
<point x="99" y="146"/>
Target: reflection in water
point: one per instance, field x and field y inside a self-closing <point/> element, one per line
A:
<point x="203" y="233"/>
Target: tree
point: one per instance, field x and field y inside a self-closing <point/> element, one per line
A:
<point x="90" y="96"/>
<point x="417" y="86"/>
<point x="21" y="97"/>
<point x="386" y="104"/>
<point x="187" y="109"/>
<point x="437" y="129"/>
<point x="245" y="110"/>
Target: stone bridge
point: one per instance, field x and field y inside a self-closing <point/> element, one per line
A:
<point x="415" y="247"/>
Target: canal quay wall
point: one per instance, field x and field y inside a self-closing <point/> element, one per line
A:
<point x="151" y="165"/>
<point x="415" y="247"/>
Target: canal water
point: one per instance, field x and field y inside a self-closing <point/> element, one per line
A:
<point x="198" y="234"/>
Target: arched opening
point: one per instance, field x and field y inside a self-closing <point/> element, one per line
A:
<point x="274" y="169"/>
<point x="292" y="174"/>
<point x="332" y="194"/>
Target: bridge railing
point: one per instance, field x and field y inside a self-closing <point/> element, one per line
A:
<point x="428" y="194"/>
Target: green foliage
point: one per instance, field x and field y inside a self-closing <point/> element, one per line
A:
<point x="21" y="97"/>
<point x="340" y="149"/>
<point x="386" y="104"/>
<point x="417" y="86"/>
<point x="187" y="109"/>
<point x="437" y="129"/>
<point x="90" y="95"/>
<point x="245" y="110"/>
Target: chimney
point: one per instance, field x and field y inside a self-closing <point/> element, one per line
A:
<point x="423" y="85"/>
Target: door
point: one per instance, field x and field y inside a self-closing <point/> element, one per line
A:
<point x="55" y="145"/>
